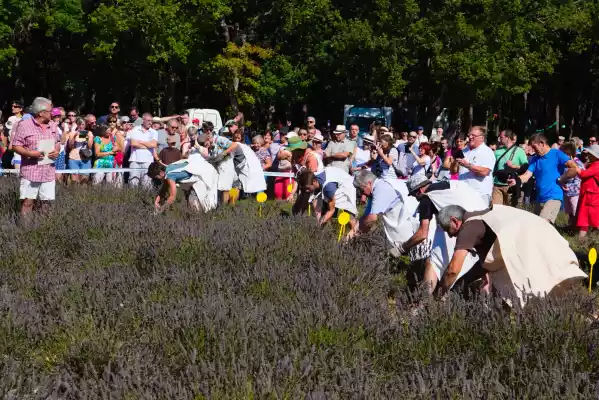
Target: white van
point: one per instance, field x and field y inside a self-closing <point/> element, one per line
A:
<point x="205" y="115"/>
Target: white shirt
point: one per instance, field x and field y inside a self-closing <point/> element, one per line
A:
<point x="421" y="139"/>
<point x="139" y="133"/>
<point x="482" y="156"/>
<point x="418" y="169"/>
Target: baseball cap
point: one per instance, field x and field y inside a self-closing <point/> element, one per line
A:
<point x="125" y="119"/>
<point x="171" y="139"/>
<point x="55" y="112"/>
<point x="231" y="122"/>
<point x="420" y="128"/>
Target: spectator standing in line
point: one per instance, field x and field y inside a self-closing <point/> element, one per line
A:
<point x="17" y="109"/>
<point x="572" y="186"/>
<point x="134" y="116"/>
<point x="143" y="141"/>
<point x="90" y="122"/>
<point x="545" y="166"/>
<point x="588" y="203"/>
<point x="113" y="111"/>
<point x="312" y="125"/>
<point x="38" y="181"/>
<point x="339" y="153"/>
<point x="105" y="149"/>
<point x="354" y="135"/>
<point x="560" y="142"/>
<point x="510" y="155"/>
<point x="80" y="144"/>
<point x="420" y="136"/>
<point x="477" y="165"/>
<point x="169" y="154"/>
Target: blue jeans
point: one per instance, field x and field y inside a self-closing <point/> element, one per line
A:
<point x="78" y="164"/>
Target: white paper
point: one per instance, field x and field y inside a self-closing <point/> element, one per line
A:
<point x="46" y="146"/>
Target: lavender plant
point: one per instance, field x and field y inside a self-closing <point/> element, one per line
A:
<point x="101" y="299"/>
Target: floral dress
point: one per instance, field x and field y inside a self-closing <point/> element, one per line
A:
<point x="106" y="161"/>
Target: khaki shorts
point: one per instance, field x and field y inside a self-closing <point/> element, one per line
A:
<point x="548" y="210"/>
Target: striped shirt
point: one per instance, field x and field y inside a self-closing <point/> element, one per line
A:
<point x="28" y="134"/>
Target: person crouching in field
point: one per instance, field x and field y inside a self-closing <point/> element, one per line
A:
<point x="329" y="190"/>
<point x="197" y="178"/>
<point x="524" y="255"/>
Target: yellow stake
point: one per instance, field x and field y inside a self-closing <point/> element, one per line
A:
<point x="260" y="198"/>
<point x="309" y="209"/>
<point x="592" y="261"/>
<point x="343" y="220"/>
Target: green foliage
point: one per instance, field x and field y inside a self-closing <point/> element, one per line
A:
<point x="256" y="55"/>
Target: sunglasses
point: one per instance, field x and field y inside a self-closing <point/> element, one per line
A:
<point x="114" y="107"/>
<point x="71" y="115"/>
<point x="413" y="137"/>
<point x="112" y="122"/>
<point x="16" y="106"/>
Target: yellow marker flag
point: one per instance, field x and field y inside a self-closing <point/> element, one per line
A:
<point x="343" y="220"/>
<point x="592" y="261"/>
<point x="234" y="194"/>
<point x="261" y="198"/>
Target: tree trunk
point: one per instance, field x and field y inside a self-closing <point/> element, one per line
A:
<point x="470" y="115"/>
<point x="557" y="120"/>
<point x="170" y="91"/>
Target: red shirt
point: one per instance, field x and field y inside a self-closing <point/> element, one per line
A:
<point x="28" y="134"/>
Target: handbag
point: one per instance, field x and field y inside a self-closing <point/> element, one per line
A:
<point x="85" y="152"/>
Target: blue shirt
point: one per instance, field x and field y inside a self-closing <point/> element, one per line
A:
<point x="546" y="170"/>
<point x="328" y="191"/>
<point x="383" y="198"/>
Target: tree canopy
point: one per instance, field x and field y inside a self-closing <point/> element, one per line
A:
<point x="517" y="60"/>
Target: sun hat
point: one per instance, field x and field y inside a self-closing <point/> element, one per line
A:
<point x="340" y="129"/>
<point x="593" y="150"/>
<point x="318" y="137"/>
<point x="290" y="134"/>
<point x="369" y="138"/>
<point x="55" y="112"/>
<point x="296" y="143"/>
<point x="11" y="122"/>
<point x="156" y="119"/>
<point x="416" y="182"/>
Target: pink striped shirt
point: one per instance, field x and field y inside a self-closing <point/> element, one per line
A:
<point x="28" y="134"/>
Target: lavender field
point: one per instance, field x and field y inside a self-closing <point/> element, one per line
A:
<point x="102" y="299"/>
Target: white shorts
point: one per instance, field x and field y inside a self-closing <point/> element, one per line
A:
<point x="44" y="191"/>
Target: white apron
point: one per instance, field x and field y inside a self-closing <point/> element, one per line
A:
<point x="529" y="257"/>
<point x="459" y="193"/>
<point x="250" y="171"/>
<point x="399" y="221"/>
<point x="204" y="181"/>
<point x="345" y="196"/>
<point x="226" y="174"/>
